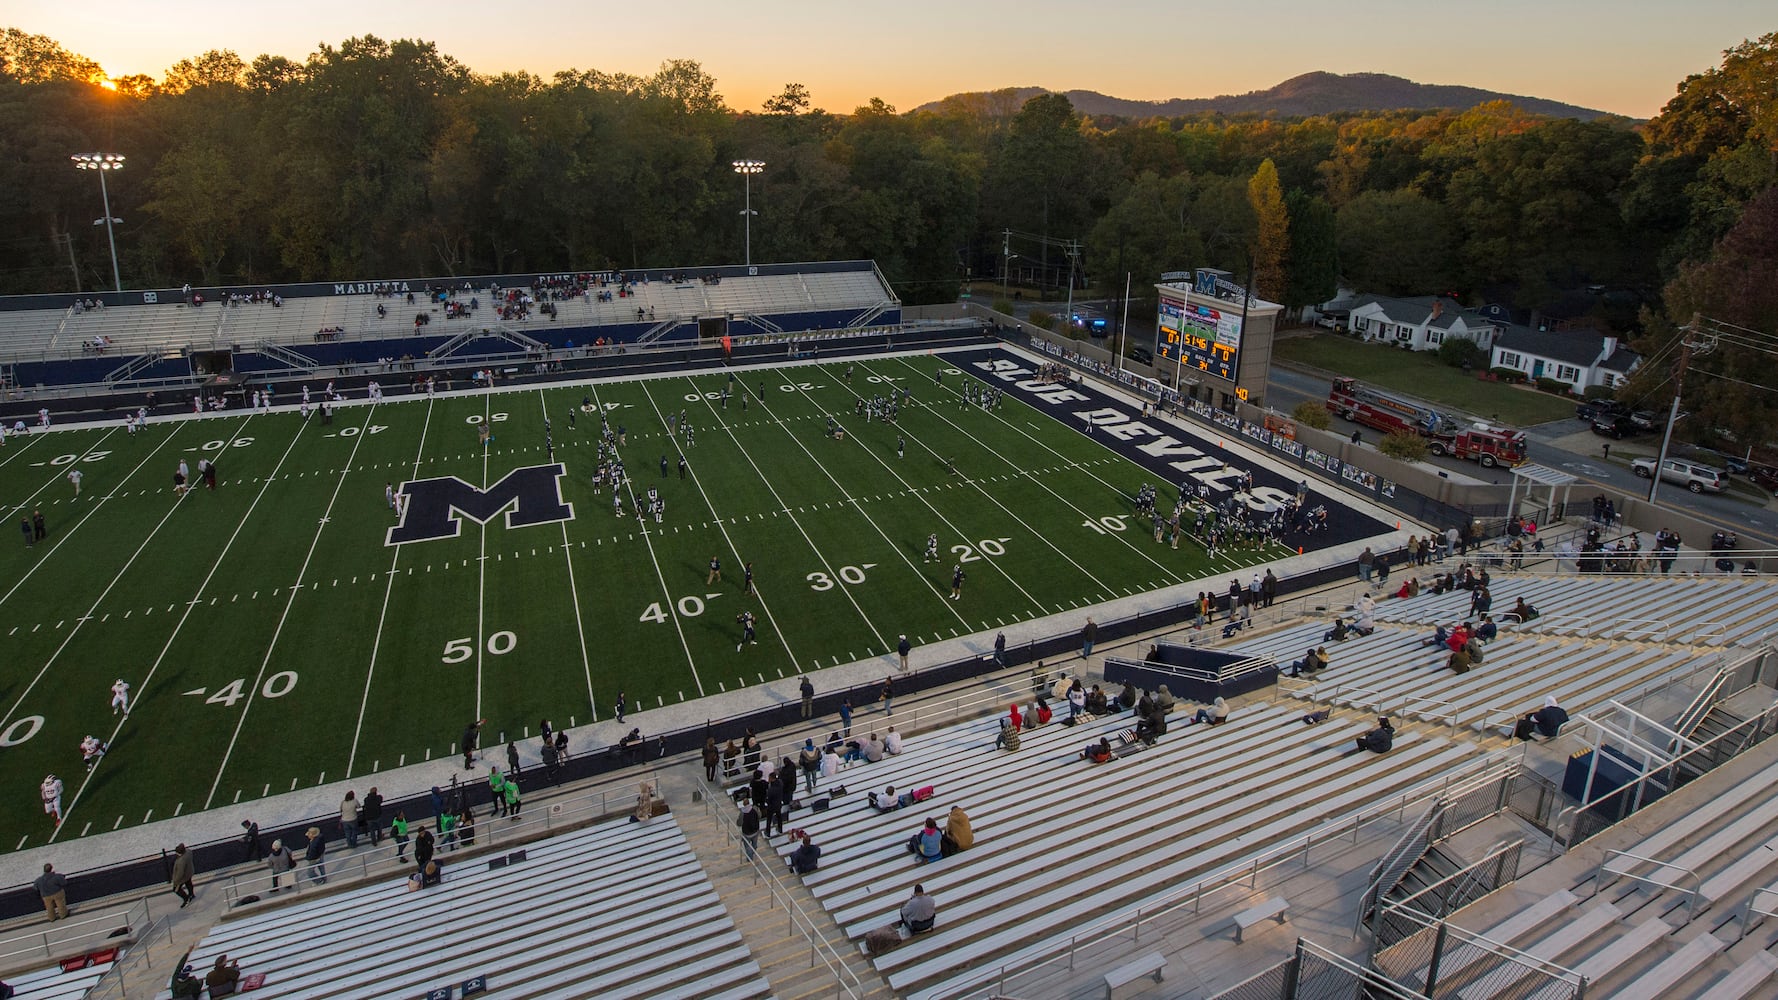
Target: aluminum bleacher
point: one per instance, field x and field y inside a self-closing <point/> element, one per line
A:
<point x="1140" y="817"/>
<point x="1718" y="609"/>
<point x="55" y="983"/>
<point x="614" y="910"/>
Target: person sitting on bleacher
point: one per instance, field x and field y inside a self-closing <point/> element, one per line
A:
<point x="1380" y="739"/>
<point x="1041" y="714"/>
<point x="224" y="977"/>
<point x="1151" y="724"/>
<point x="1015" y="718"/>
<point x="1337" y="633"/>
<point x="920" y="912"/>
<point x="1525" y="612"/>
<point x="958" y="836"/>
<point x="1009" y="736"/>
<point x="1313" y="660"/>
<point x="806" y="858"/>
<point x="1097" y="703"/>
<point x="872" y="749"/>
<point x="185" y="982"/>
<point x="887" y="801"/>
<point x="1548" y="720"/>
<point x="1487" y="630"/>
<point x="1458" y="638"/>
<point x="1440" y="636"/>
<point x="426" y="877"/>
<point x="1459" y="661"/>
<point x="1163" y="700"/>
<point x="1126" y="699"/>
<point x="1099" y="752"/>
<point x="927" y="843"/>
<point x="1215" y="713"/>
<point x="892" y="742"/>
<point x="830" y="764"/>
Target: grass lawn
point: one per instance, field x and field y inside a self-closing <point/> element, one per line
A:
<point x="1421" y="374"/>
<point x="274" y="640"/>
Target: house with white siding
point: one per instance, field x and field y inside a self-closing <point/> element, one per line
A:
<point x="1581" y="358"/>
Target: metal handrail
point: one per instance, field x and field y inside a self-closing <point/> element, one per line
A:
<point x="1247" y="872"/>
<point x="107" y="923"/>
<point x="1660" y="626"/>
<point x="845" y="980"/>
<point x="1459" y="879"/>
<point x="1761" y="903"/>
<point x="1770" y="715"/>
<point x="1600" y="882"/>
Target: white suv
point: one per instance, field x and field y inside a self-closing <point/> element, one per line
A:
<point x="1691" y="475"/>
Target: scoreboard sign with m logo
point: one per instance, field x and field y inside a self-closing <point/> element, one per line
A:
<point x="435" y="507"/>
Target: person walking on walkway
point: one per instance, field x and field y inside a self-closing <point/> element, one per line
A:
<point x="53" y="887"/>
<point x="181" y="878"/>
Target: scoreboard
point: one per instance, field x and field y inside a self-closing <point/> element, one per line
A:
<point x="1201" y="338"/>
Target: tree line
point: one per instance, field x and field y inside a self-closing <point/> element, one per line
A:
<point x="379" y="158"/>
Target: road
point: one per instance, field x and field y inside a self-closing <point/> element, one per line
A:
<point x="1288" y="387"/>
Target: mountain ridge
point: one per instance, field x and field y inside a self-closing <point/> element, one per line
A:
<point x="1313" y="93"/>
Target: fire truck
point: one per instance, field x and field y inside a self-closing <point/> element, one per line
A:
<point x="1445" y="435"/>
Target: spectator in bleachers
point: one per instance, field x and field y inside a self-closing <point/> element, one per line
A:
<point x="1126" y="699"/>
<point x="1458" y="638"/>
<point x="1548" y="720"/>
<point x="1367" y="615"/>
<point x="775" y="803"/>
<point x="1487" y="630"/>
<point x="644" y="803"/>
<point x="1098" y="752"/>
<point x="426" y="877"/>
<point x="887" y="801"/>
<point x="1009" y="736"/>
<point x="316" y="856"/>
<point x="749" y="824"/>
<point x="1015" y="718"/>
<point x="1216" y="713"/>
<point x="1525" y="612"/>
<point x="223" y="977"/>
<point x="927" y="843"/>
<point x="872" y="749"/>
<point x="1313" y="660"/>
<point x="349" y="818"/>
<point x="398" y="830"/>
<point x="1040" y="714"/>
<point x="958" y="836"/>
<point x="731" y="756"/>
<point x="1459" y="661"/>
<point x="1380" y="739"/>
<point x="1480" y="601"/>
<point x="920" y="912"/>
<point x="808" y="760"/>
<point x="423" y="847"/>
<point x="787" y="783"/>
<point x="806" y="858"/>
<point x="1077" y="702"/>
<point x="466" y="826"/>
<point x="1097" y="703"/>
<point x="892" y="742"/>
<point x="1337" y="633"/>
<point x="185" y="982"/>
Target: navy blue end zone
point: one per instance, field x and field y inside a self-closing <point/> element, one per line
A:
<point x="1174" y="453"/>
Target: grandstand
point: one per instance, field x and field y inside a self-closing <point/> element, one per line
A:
<point x="155" y="339"/>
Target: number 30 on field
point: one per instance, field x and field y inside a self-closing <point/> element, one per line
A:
<point x="499" y="644"/>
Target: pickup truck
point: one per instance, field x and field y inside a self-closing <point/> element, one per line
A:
<point x="1601" y="409"/>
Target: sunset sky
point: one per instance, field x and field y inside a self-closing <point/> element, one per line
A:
<point x="1623" y="56"/>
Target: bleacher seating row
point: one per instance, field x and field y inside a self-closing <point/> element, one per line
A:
<point x="1393" y="667"/>
<point x="1637" y="939"/>
<point x="56" y="983"/>
<point x="615" y="910"/>
<point x="1719" y="610"/>
<point x="1107" y="835"/>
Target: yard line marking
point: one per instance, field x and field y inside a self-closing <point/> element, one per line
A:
<point x="658" y="574"/>
<point x="59" y="474"/>
<point x="942" y="518"/>
<point x="142" y="686"/>
<point x="586" y="664"/>
<point x="99" y="600"/>
<point x="284" y="617"/>
<point x="1176" y="577"/>
<point x="63" y="536"/>
<point x="699" y="483"/>
<point x="481" y="591"/>
<point x="376" y="644"/>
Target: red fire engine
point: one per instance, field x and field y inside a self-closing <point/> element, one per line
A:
<point x="1362" y="404"/>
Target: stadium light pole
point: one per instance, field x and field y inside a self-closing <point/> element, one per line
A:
<point x="104" y="162"/>
<point x="747" y="168"/>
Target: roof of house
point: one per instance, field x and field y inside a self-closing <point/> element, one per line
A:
<point x="1415" y="310"/>
<point x="1574" y="348"/>
<point x="1621" y="361"/>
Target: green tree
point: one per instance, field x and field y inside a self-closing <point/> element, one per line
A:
<point x="1312" y="413"/>
<point x="1312" y="266"/>
<point x="1403" y="446"/>
<point x="1271" y="238"/>
<point x="1395" y="243"/>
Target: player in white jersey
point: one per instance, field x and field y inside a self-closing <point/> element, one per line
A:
<point x="120" y="697"/>
<point x="51" y="790"/>
<point x="932" y="547"/>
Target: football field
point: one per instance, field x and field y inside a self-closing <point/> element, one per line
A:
<point x="276" y="636"/>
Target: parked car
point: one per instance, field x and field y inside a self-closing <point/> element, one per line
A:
<point x="1142" y="355"/>
<point x="1693" y="476"/>
<point x="1598" y="409"/>
<point x="1765" y="475"/>
<point x="1615" y="427"/>
<point x="1646" y="420"/>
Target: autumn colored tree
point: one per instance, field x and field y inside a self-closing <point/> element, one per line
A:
<point x="1271" y="238"/>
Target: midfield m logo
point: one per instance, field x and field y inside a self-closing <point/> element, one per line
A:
<point x="435" y="507"/>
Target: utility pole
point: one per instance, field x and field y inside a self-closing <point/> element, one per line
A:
<point x="1686" y="347"/>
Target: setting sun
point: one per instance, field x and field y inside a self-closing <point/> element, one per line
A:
<point x="108" y="84"/>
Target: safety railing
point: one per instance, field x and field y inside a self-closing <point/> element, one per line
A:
<point x="76" y="936"/>
<point x="846" y="982"/>
<point x="1244" y="874"/>
<point x="386" y="858"/>
<point x="1761" y="903"/>
<point x="1403" y="855"/>
<point x="1489" y="967"/>
<point x="1665" y="876"/>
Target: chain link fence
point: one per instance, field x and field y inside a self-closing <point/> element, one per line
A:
<point x="1438" y="960"/>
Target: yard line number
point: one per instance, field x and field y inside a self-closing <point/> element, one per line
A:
<point x="499" y="644"/>
<point x="988" y="547"/>
<point x="689" y="606"/>
<point x="849" y="574"/>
